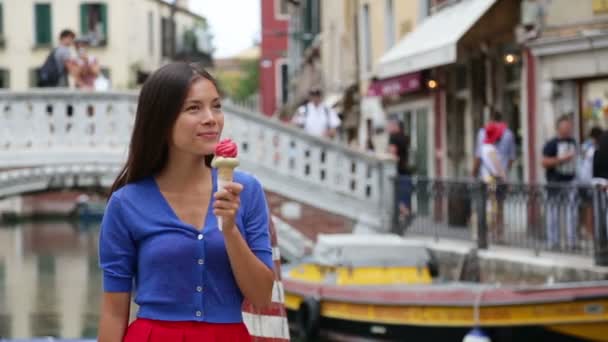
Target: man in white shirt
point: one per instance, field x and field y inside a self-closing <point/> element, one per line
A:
<point x="316" y="118"/>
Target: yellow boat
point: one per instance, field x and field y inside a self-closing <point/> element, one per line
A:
<point x="382" y="287"/>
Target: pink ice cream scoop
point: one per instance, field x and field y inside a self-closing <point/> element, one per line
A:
<point x="225" y="161"/>
<point x="226" y="149"/>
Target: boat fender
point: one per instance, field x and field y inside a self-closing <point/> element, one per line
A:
<point x="308" y="318"/>
<point x="476" y="335"/>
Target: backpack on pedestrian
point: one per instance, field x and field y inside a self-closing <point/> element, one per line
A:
<point x="49" y="74"/>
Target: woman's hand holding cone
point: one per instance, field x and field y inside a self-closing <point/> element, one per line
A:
<point x="227" y="203"/>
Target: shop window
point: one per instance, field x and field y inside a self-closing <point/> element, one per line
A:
<point x="42" y="14"/>
<point x="512" y="72"/>
<point x="460" y="77"/>
<point x="594" y="105"/>
<point x="94" y="23"/>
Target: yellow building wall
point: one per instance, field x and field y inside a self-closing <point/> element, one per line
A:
<point x="338" y="54"/>
<point x="567" y="12"/>
<point x="406" y="17"/>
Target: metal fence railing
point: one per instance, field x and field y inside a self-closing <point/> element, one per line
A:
<point x="551" y="217"/>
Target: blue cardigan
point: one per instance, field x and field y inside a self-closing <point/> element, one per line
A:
<point x="180" y="273"/>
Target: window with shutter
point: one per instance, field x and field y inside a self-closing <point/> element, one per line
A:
<point x="94" y="23"/>
<point x="167" y="28"/>
<point x="42" y="14"/>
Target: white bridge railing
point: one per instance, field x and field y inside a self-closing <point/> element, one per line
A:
<point x="58" y="127"/>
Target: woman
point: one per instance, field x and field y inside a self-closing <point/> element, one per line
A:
<point x="88" y="68"/>
<point x="493" y="174"/>
<point x="160" y="226"/>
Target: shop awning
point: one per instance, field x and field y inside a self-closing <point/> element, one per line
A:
<point x="435" y="41"/>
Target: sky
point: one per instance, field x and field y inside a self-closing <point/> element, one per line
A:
<point x="234" y="23"/>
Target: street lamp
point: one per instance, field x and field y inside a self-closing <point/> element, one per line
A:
<point x="510" y="58"/>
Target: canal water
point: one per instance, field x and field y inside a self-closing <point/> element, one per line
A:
<point x="50" y="283"/>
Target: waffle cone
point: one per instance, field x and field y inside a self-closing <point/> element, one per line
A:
<point x="225" y="173"/>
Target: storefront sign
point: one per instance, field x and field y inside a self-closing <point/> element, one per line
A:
<point x="396" y="85"/>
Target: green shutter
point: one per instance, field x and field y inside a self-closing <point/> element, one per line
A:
<point x="307" y="29"/>
<point x="43" y="23"/>
<point x="104" y="21"/>
<point x="84" y="19"/>
<point x="1" y="21"/>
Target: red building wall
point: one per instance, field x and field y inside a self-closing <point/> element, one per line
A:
<point x="273" y="53"/>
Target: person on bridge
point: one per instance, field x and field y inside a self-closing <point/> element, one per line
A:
<point x="159" y="235"/>
<point x="316" y="118"/>
<point x="59" y="63"/>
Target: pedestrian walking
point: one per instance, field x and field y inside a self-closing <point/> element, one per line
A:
<point x="399" y="146"/>
<point x="498" y="146"/>
<point x="559" y="161"/>
<point x="316" y="118"/>
<point x="160" y="236"/>
<point x="493" y="174"/>
<point x="505" y="147"/>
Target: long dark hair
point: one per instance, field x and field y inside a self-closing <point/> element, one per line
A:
<point x="160" y="102"/>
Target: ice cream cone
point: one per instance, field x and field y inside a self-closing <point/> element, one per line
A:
<point x="225" y="174"/>
<point x="225" y="170"/>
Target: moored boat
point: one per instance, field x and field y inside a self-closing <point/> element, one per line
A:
<point x="383" y="287"/>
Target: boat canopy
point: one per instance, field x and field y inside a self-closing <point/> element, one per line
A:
<point x="361" y="250"/>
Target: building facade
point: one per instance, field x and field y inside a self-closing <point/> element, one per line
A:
<point x="459" y="63"/>
<point x="338" y="62"/>
<point x="273" y="63"/>
<point x="334" y="45"/>
<point x="568" y="52"/>
<point x="381" y="24"/>
<point x="122" y="47"/>
<point x="304" y="51"/>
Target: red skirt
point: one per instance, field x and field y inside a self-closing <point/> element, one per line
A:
<point x="147" y="330"/>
